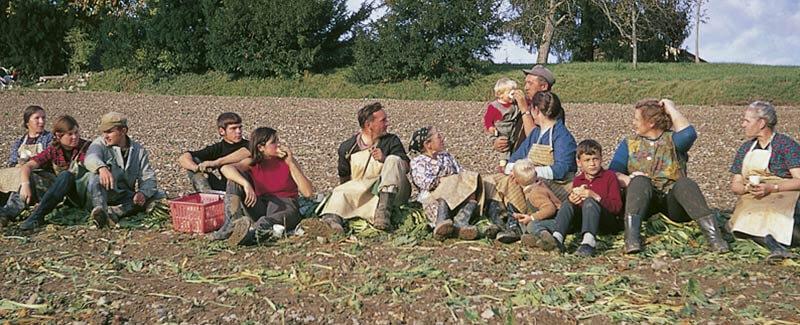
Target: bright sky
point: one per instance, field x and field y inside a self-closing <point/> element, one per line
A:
<point x="745" y="31"/>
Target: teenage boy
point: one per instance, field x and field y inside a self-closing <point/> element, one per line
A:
<point x="595" y="203"/>
<point x="231" y="149"/>
<point x="121" y="174"/>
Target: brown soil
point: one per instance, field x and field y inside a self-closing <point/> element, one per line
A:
<point x="81" y="274"/>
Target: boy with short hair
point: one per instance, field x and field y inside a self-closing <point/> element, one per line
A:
<point x="231" y="149"/>
<point x="539" y="199"/>
<point x="500" y="119"/>
<point x="595" y="203"/>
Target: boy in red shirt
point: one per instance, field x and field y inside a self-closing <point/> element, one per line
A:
<point x="595" y="203"/>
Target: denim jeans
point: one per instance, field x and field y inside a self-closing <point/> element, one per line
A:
<point x="63" y="186"/>
<point x="589" y="217"/>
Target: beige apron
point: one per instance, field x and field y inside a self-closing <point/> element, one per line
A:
<point x="9" y="177"/>
<point x="456" y="189"/>
<point x="542" y="155"/>
<point x="357" y="197"/>
<point x="770" y="215"/>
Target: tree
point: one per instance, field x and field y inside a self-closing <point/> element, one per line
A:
<point x="33" y="36"/>
<point x="624" y="15"/>
<point x="268" y="38"/>
<point x="432" y="39"/>
<point x="545" y="16"/>
<point x="701" y="16"/>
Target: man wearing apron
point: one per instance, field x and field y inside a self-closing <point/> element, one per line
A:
<point x="767" y="178"/>
<point x="372" y="172"/>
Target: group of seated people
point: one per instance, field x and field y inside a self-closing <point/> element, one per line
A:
<point x="546" y="187"/>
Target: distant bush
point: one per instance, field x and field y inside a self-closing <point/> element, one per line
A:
<point x="443" y="40"/>
<point x="32" y="36"/>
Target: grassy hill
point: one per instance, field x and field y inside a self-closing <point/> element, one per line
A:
<point x="610" y="82"/>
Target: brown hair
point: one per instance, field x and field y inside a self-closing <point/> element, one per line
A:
<point x="589" y="147"/>
<point x="260" y="137"/>
<point x="228" y="118"/>
<point x="366" y="112"/>
<point x="62" y="125"/>
<point x="548" y="103"/>
<point x="654" y="112"/>
<point x="28" y="112"/>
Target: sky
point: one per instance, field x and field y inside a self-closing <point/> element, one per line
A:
<point x="742" y="31"/>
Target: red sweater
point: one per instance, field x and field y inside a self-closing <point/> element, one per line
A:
<point x="493" y="115"/>
<point x="272" y="176"/>
<point x="605" y="184"/>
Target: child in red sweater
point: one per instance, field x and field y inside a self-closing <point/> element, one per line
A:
<point x="502" y="115"/>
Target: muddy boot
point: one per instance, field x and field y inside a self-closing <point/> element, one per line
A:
<point x="241" y="233"/>
<point x="494" y="213"/>
<point x="99" y="217"/>
<point x="547" y="242"/>
<point x="14" y="206"/>
<point x="796" y="235"/>
<point x="326" y="226"/>
<point x="712" y="233"/>
<point x="32" y="222"/>
<point x="777" y="252"/>
<point x="633" y="242"/>
<point x="466" y="231"/>
<point x="232" y="212"/>
<point x="513" y="231"/>
<point x="200" y="182"/>
<point x="3" y="221"/>
<point x="382" y="219"/>
<point x="444" y="225"/>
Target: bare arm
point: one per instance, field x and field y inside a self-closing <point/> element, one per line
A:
<point x="303" y="183"/>
<point x="792" y="184"/>
<point x="25" y="180"/>
<point x="186" y="162"/>
<point x="737" y="185"/>
<point x="679" y="122"/>
<point x="527" y="119"/>
<point x="233" y="157"/>
<point x="623" y="179"/>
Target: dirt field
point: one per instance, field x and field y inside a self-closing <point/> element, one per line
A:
<point x="78" y="274"/>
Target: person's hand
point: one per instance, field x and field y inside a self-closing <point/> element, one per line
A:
<point x="519" y="97"/>
<point x="377" y="154"/>
<point x="575" y="199"/>
<point x="288" y="155"/>
<point x="139" y="199"/>
<point x="761" y="190"/>
<point x="25" y="192"/>
<point x="106" y="179"/>
<point x="634" y="174"/>
<point x="249" y="196"/>
<point x="669" y="105"/>
<point x="207" y="165"/>
<point x="523" y="218"/>
<point x="501" y="144"/>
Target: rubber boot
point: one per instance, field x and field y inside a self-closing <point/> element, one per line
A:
<point x="466" y="231"/>
<point x="335" y="223"/>
<point x="633" y="242"/>
<point x="443" y="225"/>
<point x="32" y="222"/>
<point x="709" y="228"/>
<point x="382" y="215"/>
<point x="232" y="213"/>
<point x="777" y="252"/>
<point x="200" y="182"/>
<point x="512" y="232"/>
<point x="494" y="213"/>
<point x="796" y="235"/>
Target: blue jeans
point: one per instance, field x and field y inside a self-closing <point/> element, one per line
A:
<point x="589" y="217"/>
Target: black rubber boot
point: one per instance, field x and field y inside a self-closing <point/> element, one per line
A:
<point x="709" y="228"/>
<point x="633" y="228"/>
<point x="512" y="232"/>
<point x="777" y="252"/>
<point x="443" y="225"/>
<point x="232" y="213"/>
<point x="32" y="222"/>
<point x="466" y="231"/>
<point x="382" y="219"/>
<point x="494" y="212"/>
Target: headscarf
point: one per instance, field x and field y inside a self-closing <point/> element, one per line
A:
<point x="418" y="139"/>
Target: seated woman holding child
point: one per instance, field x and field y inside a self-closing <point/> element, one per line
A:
<point x="267" y="185"/>
<point x="652" y="165"/>
<point x="766" y="177"/>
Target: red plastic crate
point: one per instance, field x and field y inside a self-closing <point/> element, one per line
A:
<point x="197" y="213"/>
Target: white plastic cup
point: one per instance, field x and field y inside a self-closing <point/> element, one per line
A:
<point x="754" y="179"/>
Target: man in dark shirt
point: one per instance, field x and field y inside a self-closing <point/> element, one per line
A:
<point x="232" y="149"/>
<point x="354" y="197"/>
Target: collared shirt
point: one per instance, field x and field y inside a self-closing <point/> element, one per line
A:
<point x="55" y="157"/>
<point x="44" y="139"/>
<point x="785" y="155"/>
<point x="426" y="171"/>
<point x="606" y="185"/>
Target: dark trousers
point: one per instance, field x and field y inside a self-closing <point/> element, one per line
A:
<point x="589" y="217"/>
<point x="63" y="186"/>
<point x="267" y="211"/>
<point x="683" y="203"/>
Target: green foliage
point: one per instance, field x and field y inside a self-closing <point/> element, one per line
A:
<point x="33" y="36"/>
<point x="444" y="40"/>
<point x="118" y="38"/>
<point x="176" y="35"/>
<point x="285" y="38"/>
<point x="81" y="48"/>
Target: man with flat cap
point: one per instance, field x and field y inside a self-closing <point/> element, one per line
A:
<point x="537" y="79"/>
<point x="122" y="179"/>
